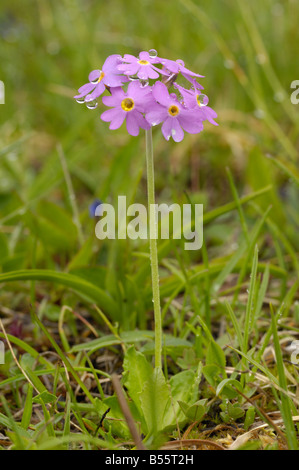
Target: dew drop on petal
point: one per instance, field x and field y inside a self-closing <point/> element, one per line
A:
<point x="91" y="104"/>
<point x="95" y="81"/>
<point x="202" y="99"/>
<point x="80" y="100"/>
<point x="173" y="132"/>
<point x="133" y="78"/>
<point x="143" y="83"/>
<point x="152" y="53"/>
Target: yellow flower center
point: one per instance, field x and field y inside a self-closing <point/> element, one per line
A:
<point x="127" y="104"/>
<point x="143" y="62"/>
<point x="173" y="110"/>
<point x="101" y="77"/>
<point x="198" y="100"/>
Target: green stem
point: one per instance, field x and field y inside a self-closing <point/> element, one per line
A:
<point x="152" y="210"/>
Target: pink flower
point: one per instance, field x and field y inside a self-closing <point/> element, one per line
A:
<point x="178" y="66"/>
<point x="129" y="106"/>
<point x="176" y="119"/>
<point x="195" y="100"/>
<point x="98" y="79"/>
<point x="142" y="105"/>
<point x="142" y="66"/>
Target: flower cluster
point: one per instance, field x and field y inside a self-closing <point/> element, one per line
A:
<point x="140" y="94"/>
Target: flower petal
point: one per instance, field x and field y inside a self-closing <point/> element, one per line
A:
<point x="160" y="93"/>
<point x="94" y="75"/>
<point x="116" y="116"/>
<point x="142" y="122"/>
<point x="118" y="120"/>
<point x="110" y="114"/>
<point x="129" y="69"/>
<point x="129" y="58"/>
<point x="144" y="55"/>
<point x="210" y="114"/>
<point x="148" y="72"/>
<point x="170" y="65"/>
<point x="190" y="122"/>
<point x="113" y="80"/>
<point x="166" y="127"/>
<point x="177" y="132"/>
<point x="132" y="124"/>
<point x="155" y="116"/>
<point x="187" y="73"/>
<point x="85" y="89"/>
<point x="111" y="63"/>
<point x="99" y="89"/>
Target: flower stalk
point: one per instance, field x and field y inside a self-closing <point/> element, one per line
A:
<point x="152" y="210"/>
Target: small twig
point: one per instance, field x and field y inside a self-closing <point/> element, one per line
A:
<point x="101" y="422"/>
<point x="126" y="412"/>
<point x="15" y="358"/>
<point x="189" y="429"/>
<point x="86" y="322"/>
<point x="191" y="442"/>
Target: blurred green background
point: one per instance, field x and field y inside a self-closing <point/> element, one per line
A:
<point x="247" y="52"/>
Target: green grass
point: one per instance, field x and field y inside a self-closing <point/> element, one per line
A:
<point x="229" y="310"/>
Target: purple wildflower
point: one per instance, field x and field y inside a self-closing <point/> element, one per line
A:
<point x="142" y="105"/>
<point x="195" y="100"/>
<point x="129" y="106"/>
<point x="109" y="76"/>
<point x="178" y="66"/>
<point x="93" y="207"/>
<point x="174" y="116"/>
<point x="142" y="66"/>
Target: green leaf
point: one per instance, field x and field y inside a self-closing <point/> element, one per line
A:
<point x="53" y="226"/>
<point x="26" y="417"/>
<point x="215" y="356"/>
<point x="260" y="174"/>
<point x="117" y="424"/>
<point x="228" y="383"/>
<point x="235" y="411"/>
<point x="111" y="340"/>
<point x="249" y="418"/>
<point x="83" y="257"/>
<point x="4" y="251"/>
<point x="211" y="373"/>
<point x="170" y="344"/>
<point x="194" y="412"/>
<point x="286" y="402"/>
<point x="45" y="397"/>
<point x="155" y="398"/>
<point x="80" y="286"/>
<point x="184" y="388"/>
<point x="138" y="371"/>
